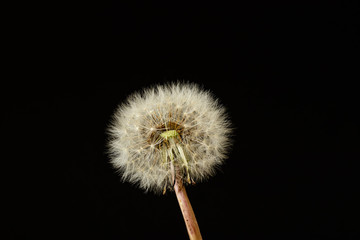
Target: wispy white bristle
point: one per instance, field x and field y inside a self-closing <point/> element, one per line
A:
<point x="167" y="128"/>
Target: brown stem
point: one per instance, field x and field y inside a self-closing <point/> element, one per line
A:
<point x="187" y="211"/>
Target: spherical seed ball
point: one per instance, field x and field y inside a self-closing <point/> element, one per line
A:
<point x="166" y="132"/>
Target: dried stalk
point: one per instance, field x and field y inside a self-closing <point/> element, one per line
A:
<point x="187" y="211"/>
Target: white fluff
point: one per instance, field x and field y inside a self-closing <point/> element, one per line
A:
<point x="175" y="129"/>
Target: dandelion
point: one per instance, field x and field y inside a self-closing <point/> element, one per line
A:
<point x="168" y="136"/>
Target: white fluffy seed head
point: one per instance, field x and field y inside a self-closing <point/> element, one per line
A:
<point x="167" y="132"/>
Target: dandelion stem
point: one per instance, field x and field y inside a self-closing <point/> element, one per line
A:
<point x="187" y="211"/>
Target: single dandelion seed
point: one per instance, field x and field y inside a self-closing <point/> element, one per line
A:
<point x="168" y="136"/>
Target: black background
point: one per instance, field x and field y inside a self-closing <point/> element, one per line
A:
<point x="285" y="72"/>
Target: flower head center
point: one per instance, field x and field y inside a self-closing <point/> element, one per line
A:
<point x="168" y="134"/>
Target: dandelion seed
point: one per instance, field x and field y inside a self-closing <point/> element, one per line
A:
<point x="169" y="136"/>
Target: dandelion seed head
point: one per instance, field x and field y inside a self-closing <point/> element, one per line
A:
<point x="165" y="130"/>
